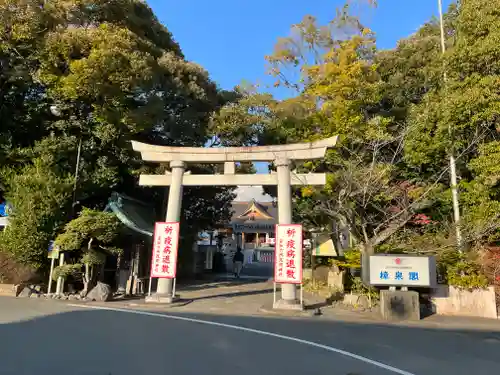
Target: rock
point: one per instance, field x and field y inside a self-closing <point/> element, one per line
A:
<point x="25" y="292"/>
<point x="321" y="274"/>
<point x="17" y="289"/>
<point x="101" y="292"/>
<point x="336" y="280"/>
<point x="363" y="302"/>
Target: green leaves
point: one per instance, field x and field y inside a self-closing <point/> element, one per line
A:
<point x="99" y="74"/>
<point x="90" y="225"/>
<point x="486" y="166"/>
<point x="40" y="201"/>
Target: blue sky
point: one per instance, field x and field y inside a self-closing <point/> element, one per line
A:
<point x="230" y="38"/>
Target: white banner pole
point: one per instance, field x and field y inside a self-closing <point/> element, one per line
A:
<point x="149" y="287"/>
<point x="49" y="287"/>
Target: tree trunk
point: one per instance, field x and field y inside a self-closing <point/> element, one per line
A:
<point x="87" y="276"/>
<point x="86" y="280"/>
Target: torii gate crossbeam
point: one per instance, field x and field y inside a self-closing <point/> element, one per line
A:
<point x="280" y="155"/>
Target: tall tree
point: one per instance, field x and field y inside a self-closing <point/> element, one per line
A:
<point x="339" y="92"/>
<point x="101" y="73"/>
<point x="462" y="114"/>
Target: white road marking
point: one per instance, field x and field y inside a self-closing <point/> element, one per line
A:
<point x="257" y="331"/>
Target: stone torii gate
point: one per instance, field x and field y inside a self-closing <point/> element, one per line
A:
<point x="281" y="155"/>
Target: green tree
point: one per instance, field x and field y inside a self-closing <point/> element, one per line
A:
<point x="339" y="92"/>
<point x="91" y="235"/>
<point x="39" y="197"/>
<point x="23" y="105"/>
<point x="462" y="114"/>
<point x="98" y="74"/>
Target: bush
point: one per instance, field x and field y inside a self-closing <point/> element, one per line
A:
<point x="13" y="272"/>
<point x="40" y="201"/>
<point x="355" y="285"/>
<point x="466" y="275"/>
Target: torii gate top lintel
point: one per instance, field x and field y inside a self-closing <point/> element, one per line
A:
<point x="280" y="154"/>
<point x="295" y="151"/>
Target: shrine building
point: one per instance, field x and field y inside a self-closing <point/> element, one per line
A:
<point x="252" y="223"/>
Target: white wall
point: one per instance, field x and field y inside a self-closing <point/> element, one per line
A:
<point x="448" y="300"/>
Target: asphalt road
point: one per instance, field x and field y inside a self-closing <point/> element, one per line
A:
<point x="262" y="270"/>
<point x="50" y="338"/>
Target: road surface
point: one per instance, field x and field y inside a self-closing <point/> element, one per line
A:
<point x="258" y="269"/>
<point x="50" y="338"/>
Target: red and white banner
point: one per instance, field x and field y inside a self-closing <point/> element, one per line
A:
<point x="165" y="246"/>
<point x="288" y="254"/>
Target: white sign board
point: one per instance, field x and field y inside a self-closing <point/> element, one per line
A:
<point x="288" y="254"/>
<point x="402" y="270"/>
<point x="255" y="227"/>
<point x="165" y="246"/>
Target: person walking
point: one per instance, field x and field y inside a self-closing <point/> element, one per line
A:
<point x="238" y="262"/>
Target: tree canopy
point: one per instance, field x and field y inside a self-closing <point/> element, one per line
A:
<point x="80" y="80"/>
<point x="388" y="177"/>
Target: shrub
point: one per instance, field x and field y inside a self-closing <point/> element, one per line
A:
<point x="13" y="272"/>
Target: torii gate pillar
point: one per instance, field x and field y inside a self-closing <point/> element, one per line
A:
<point x="164" y="289"/>
<point x="288" y="291"/>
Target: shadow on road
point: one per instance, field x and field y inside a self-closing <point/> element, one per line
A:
<point x="216" y="282"/>
<point x="234" y="294"/>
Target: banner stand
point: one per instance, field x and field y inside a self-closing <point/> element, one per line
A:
<point x="49" y="287"/>
<point x="164" y="262"/>
<point x="288" y="263"/>
<point x="151" y="283"/>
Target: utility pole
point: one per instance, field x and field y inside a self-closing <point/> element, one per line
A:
<point x="77" y="172"/>
<point x="453" y="165"/>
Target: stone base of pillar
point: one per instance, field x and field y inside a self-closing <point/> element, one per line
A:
<point x="162" y="298"/>
<point x="294" y="305"/>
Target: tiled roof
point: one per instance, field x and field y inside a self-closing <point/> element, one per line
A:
<point x="267" y="208"/>
<point x="136" y="215"/>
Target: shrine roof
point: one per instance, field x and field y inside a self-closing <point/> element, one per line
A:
<point x="254" y="211"/>
<point x="134" y="214"/>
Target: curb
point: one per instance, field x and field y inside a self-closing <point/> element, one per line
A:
<point x="268" y="309"/>
<point x="135" y="305"/>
